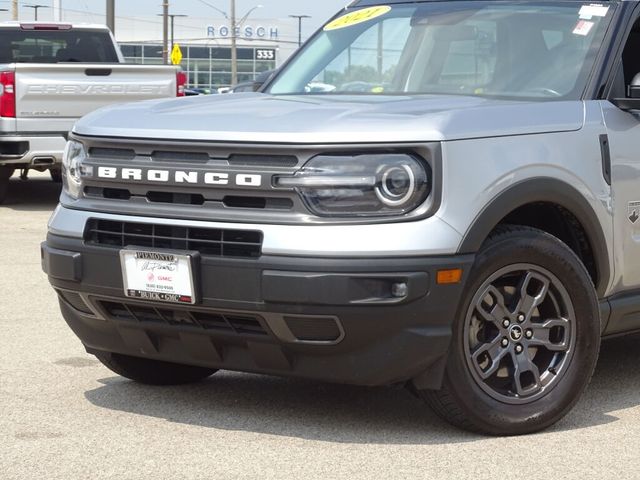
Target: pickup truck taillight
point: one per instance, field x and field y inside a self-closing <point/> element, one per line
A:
<point x="181" y="82"/>
<point x="8" y="94"/>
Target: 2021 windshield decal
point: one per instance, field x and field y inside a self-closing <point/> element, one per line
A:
<point x="359" y="16"/>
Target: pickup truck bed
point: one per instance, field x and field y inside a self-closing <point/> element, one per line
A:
<point x="53" y="74"/>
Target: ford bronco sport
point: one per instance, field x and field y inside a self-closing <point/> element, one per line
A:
<point x="441" y="194"/>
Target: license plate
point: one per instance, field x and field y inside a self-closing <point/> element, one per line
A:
<point x="158" y="276"/>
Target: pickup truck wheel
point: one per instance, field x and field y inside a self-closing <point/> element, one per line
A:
<point x="56" y="175"/>
<point x="527" y="338"/>
<point x="153" y="372"/>
<point x="5" y="175"/>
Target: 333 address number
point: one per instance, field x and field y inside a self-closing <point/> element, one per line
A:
<point x="265" y="54"/>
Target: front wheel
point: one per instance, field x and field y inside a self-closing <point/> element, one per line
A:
<point x="153" y="372"/>
<point x="526" y="340"/>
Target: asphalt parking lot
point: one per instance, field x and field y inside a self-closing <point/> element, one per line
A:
<point x="64" y="416"/>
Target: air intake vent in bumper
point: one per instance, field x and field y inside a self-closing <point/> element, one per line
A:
<point x="314" y="329"/>
<point x="207" y="241"/>
<point x="209" y="321"/>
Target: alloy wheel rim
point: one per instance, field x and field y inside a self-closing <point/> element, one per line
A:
<point x="519" y="333"/>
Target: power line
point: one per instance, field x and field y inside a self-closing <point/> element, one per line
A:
<point x="215" y="8"/>
<point x="120" y="17"/>
<point x="283" y="38"/>
<point x="132" y="18"/>
<point x="35" y="9"/>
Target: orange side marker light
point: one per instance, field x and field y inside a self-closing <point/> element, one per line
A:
<point x="449" y="277"/>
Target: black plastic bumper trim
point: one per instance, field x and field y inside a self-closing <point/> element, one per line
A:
<point x="342" y="289"/>
<point x="380" y="340"/>
<point x="61" y="264"/>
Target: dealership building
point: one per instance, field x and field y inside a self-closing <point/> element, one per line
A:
<point x="205" y="43"/>
<point x="263" y="44"/>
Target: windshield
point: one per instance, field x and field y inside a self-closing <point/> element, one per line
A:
<point x="501" y="49"/>
<point x="55" y="46"/>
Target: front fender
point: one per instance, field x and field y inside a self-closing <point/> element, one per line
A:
<point x="548" y="190"/>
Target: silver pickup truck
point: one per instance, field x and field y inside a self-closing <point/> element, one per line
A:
<point x="438" y="194"/>
<point x="51" y="74"/>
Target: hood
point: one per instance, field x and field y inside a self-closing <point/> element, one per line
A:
<point x="328" y="119"/>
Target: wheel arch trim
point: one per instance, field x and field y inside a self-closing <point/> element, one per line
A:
<point x="548" y="190"/>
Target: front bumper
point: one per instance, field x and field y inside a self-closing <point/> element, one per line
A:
<point x="35" y="150"/>
<point x="333" y="319"/>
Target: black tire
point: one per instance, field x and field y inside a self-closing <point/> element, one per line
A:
<point x="56" y="175"/>
<point x="500" y="404"/>
<point x="153" y="372"/>
<point x="5" y="175"/>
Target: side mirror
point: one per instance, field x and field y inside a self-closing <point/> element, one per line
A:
<point x="632" y="102"/>
<point x="262" y="79"/>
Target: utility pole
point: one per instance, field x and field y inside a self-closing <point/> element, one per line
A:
<point x="111" y="16"/>
<point x="234" y="24"/>
<point x="172" y="16"/>
<point x="35" y="9"/>
<point x="165" y="32"/>
<point x="300" y="18"/>
<point x="14" y="9"/>
<point x="57" y="12"/>
<point x="234" y="45"/>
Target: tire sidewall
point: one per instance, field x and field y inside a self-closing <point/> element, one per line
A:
<point x="4" y="188"/>
<point x="489" y="414"/>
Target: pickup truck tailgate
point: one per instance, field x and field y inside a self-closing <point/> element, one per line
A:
<point x="70" y="91"/>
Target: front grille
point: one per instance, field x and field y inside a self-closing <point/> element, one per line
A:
<point x="108" y="193"/>
<point x="232" y="323"/>
<point x="227" y="194"/>
<point x="195" y="157"/>
<point x="263" y="160"/>
<point x="175" y="198"/>
<point x="180" y="198"/>
<point x="188" y="157"/>
<point x="207" y="241"/>
<point x="112" y="153"/>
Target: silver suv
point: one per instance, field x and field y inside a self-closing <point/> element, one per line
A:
<point x="440" y="194"/>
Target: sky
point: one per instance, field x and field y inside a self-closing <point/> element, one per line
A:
<point x="319" y="10"/>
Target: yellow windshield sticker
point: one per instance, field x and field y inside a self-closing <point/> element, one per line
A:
<point x="354" y="18"/>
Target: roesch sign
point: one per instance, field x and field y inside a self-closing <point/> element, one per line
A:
<point x="248" y="31"/>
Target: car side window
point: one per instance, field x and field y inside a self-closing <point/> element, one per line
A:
<point x="628" y="66"/>
<point x="630" y="56"/>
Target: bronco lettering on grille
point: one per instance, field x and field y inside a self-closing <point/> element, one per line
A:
<point x="179" y="176"/>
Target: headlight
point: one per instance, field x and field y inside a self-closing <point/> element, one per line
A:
<point x="73" y="169"/>
<point x="362" y="185"/>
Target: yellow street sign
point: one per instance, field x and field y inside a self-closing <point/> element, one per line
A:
<point x="176" y="55"/>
